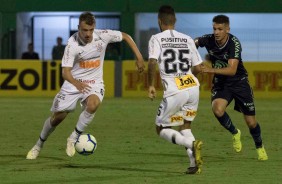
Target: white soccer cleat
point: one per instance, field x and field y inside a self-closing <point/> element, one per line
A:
<point x="70" y="147"/>
<point x="33" y="153"/>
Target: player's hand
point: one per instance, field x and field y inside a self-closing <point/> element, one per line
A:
<point x="82" y="87"/>
<point x="140" y="66"/>
<point x="206" y="69"/>
<point x="152" y="92"/>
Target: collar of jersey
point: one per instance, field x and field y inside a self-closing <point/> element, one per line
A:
<point x="224" y="43"/>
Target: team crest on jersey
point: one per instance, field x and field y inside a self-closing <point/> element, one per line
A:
<point x="99" y="47"/>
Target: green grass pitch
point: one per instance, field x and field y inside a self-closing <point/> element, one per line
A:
<point x="129" y="150"/>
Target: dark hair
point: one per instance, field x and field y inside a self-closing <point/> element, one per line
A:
<point x="221" y="19"/>
<point x="167" y="15"/>
<point x="88" y="18"/>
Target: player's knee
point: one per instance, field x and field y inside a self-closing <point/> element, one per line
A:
<point x="92" y="107"/>
<point x="218" y="112"/>
<point x="251" y="123"/>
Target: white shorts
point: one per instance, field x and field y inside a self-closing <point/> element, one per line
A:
<point x="66" y="99"/>
<point x="174" y="109"/>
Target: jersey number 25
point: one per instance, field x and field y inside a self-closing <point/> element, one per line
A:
<point x="170" y="66"/>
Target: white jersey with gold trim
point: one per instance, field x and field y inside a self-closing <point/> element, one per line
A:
<point x="176" y="54"/>
<point x="87" y="60"/>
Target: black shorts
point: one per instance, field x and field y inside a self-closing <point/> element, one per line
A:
<point x="240" y="91"/>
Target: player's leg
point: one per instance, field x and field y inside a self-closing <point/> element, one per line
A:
<point x="189" y="109"/>
<point x="189" y="113"/>
<point x="167" y="117"/>
<point x="174" y="136"/>
<point x="219" y="109"/>
<point x="171" y="114"/>
<point x="91" y="104"/>
<point x="48" y="127"/>
<point x="244" y="102"/>
<point x="220" y="101"/>
<point x="255" y="131"/>
<point x="194" y="154"/>
<point x="62" y="104"/>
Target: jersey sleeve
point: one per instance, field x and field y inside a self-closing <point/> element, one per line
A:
<point x="111" y="36"/>
<point x="196" y="57"/>
<point x="235" y="49"/>
<point x="69" y="56"/>
<point x="154" y="48"/>
<point x="203" y="41"/>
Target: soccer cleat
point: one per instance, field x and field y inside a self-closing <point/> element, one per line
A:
<point x="197" y="145"/>
<point x="262" y="154"/>
<point x="33" y="153"/>
<point x="193" y="170"/>
<point x="237" y="145"/>
<point x="70" y="150"/>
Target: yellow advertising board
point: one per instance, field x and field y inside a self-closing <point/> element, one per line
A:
<point x="264" y="77"/>
<point x="36" y="78"/>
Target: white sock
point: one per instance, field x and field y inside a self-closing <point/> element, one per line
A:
<point x="175" y="137"/>
<point x="188" y="134"/>
<point x="46" y="131"/>
<point x="191" y="158"/>
<point x="84" y="120"/>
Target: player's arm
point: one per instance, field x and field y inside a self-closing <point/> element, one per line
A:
<point x="151" y="77"/>
<point x="197" y="69"/>
<point x="230" y="70"/>
<point x="67" y="75"/>
<point x="196" y="60"/>
<point x="139" y="62"/>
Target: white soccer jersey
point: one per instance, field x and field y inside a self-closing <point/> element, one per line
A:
<point x="176" y="54"/>
<point x="87" y="60"/>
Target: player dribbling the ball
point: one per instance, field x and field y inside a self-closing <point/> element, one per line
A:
<point x="82" y="69"/>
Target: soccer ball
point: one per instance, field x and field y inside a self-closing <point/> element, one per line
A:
<point x="86" y="144"/>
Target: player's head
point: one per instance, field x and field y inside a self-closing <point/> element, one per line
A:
<point x="221" y="27"/>
<point x="59" y="40"/>
<point x="86" y="26"/>
<point x="30" y="47"/>
<point x="166" y="17"/>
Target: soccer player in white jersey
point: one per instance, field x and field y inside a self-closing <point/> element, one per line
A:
<point x="82" y="68"/>
<point x="176" y="55"/>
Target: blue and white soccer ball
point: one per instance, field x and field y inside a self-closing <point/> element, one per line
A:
<point x="86" y="144"/>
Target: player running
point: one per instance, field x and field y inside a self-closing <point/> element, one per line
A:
<point x="230" y="82"/>
<point x="176" y="54"/>
<point x="82" y="65"/>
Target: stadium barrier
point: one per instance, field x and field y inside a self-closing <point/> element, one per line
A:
<point x="35" y="78"/>
<point x="264" y="77"/>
